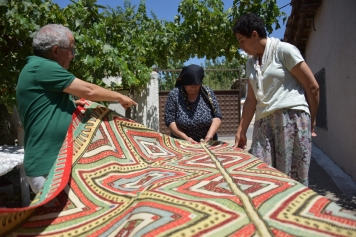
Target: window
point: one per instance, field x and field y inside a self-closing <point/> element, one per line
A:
<point x="321" y="116"/>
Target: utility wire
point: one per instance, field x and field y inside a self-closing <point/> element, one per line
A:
<point x="285" y="5"/>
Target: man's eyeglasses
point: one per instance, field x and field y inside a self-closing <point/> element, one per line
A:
<point x="73" y="50"/>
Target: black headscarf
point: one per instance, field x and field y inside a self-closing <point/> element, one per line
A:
<point x="193" y="75"/>
<point x="190" y="75"/>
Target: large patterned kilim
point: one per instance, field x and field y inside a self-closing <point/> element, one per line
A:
<point x="115" y="177"/>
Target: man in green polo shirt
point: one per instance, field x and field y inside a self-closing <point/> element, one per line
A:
<point x="44" y="101"/>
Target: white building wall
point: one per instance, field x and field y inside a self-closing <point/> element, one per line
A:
<point x="333" y="47"/>
<point x="146" y="112"/>
<point x="148" y="104"/>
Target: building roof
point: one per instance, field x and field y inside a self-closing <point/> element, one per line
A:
<point x="301" y="22"/>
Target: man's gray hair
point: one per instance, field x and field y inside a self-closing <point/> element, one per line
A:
<point x="49" y="36"/>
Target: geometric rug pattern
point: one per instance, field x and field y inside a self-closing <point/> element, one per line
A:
<point x="115" y="177"/>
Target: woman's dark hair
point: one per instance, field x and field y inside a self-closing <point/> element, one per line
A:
<point x="249" y="22"/>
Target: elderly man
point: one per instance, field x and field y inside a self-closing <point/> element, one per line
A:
<point x="44" y="101"/>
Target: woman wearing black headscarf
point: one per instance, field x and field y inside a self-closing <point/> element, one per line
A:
<point x="192" y="112"/>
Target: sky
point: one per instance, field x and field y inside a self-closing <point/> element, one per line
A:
<point x="167" y="9"/>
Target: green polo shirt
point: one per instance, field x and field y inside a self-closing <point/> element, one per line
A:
<point x="45" y="112"/>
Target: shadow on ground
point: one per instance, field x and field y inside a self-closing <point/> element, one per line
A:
<point x="321" y="183"/>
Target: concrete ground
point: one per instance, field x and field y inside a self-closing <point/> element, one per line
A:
<point x="325" y="177"/>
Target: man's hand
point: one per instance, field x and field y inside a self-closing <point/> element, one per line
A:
<point x="80" y="102"/>
<point x="89" y="91"/>
<point x="126" y="102"/>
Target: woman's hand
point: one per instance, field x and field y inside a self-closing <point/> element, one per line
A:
<point x="208" y="138"/>
<point x="313" y="134"/>
<point x="189" y="139"/>
<point x="240" y="140"/>
<point x="304" y="75"/>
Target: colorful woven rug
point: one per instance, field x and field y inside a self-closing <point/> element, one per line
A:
<point x="115" y="177"/>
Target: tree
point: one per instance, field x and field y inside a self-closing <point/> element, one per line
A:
<point x="207" y="29"/>
<point x="222" y="74"/>
<point x="18" y="20"/>
<point x="123" y="41"/>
